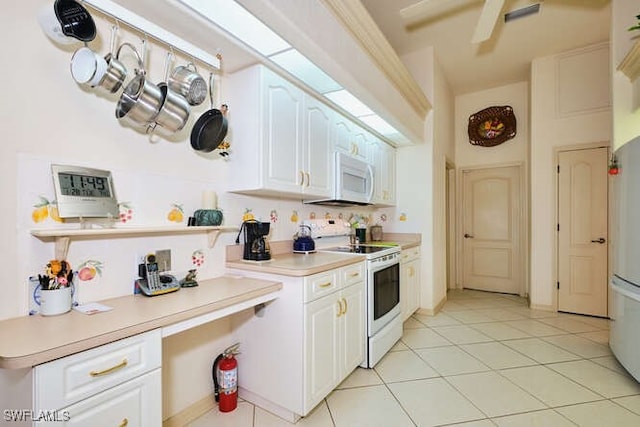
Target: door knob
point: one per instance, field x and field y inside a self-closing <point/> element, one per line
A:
<point x="600" y="240"/>
<point x="468" y="236"/>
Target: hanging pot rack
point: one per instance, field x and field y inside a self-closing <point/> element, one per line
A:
<point x="149" y="29"/>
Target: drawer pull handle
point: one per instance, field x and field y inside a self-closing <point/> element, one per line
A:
<point x="325" y="285"/>
<point x="124" y="423"/>
<point x="345" y="306"/>
<point x="340" y="312"/>
<point x="354" y="275"/>
<point x="109" y="370"/>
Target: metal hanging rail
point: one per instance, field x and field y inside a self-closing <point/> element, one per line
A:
<point x="152" y="30"/>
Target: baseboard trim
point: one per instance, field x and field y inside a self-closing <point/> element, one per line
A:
<point x="435" y="310"/>
<point x="190" y="413"/>
<point x="269" y="406"/>
<point x="542" y="307"/>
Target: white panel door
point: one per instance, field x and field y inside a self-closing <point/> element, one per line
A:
<point x="582" y="231"/>
<point x="322" y="322"/>
<point x="283" y="135"/>
<point x="318" y="167"/>
<point x="353" y="328"/>
<point x="492" y="223"/>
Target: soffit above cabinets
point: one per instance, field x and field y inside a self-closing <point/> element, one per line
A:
<point x="320" y="53"/>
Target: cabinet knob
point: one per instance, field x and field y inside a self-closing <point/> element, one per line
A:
<point x="468" y="236"/>
<point x="124" y="423"/>
<point x="600" y="240"/>
<point x="346" y="307"/>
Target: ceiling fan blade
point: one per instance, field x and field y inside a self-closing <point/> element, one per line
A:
<point x="427" y="9"/>
<point x="487" y="22"/>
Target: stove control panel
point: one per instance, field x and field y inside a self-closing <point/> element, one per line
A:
<point x="327" y="227"/>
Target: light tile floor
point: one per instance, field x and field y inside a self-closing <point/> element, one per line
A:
<point x="485" y="360"/>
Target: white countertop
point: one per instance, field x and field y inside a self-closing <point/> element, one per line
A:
<point x="31" y="340"/>
<point x="290" y="264"/>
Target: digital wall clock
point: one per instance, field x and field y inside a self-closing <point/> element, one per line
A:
<point x="84" y="192"/>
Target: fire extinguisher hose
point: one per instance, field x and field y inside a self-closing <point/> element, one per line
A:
<point x="216" y="386"/>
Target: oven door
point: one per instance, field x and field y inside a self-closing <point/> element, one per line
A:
<point x="383" y="293"/>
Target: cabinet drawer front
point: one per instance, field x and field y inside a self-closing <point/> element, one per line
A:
<point x="352" y="274"/>
<point x="70" y="379"/>
<point x="410" y="254"/>
<point x="137" y="402"/>
<point x="319" y="285"/>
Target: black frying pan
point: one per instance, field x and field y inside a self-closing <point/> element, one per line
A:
<point x="210" y="128"/>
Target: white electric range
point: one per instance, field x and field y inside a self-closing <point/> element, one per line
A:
<point x="382" y="285"/>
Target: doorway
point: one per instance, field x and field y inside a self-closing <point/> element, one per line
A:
<point x="583" y="231"/>
<point x="493" y="229"/>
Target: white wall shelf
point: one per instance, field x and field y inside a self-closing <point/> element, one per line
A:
<point x="62" y="236"/>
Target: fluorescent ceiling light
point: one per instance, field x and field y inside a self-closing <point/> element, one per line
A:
<point x="299" y="66"/>
<point x="235" y="19"/>
<point x="376" y="123"/>
<point x="349" y="102"/>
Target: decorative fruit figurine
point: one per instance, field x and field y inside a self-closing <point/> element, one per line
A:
<point x="88" y="270"/>
<point x="403" y="216"/>
<point x="176" y="214"/>
<point x="273" y="216"/>
<point x="248" y="216"/>
<point x="294" y="216"/>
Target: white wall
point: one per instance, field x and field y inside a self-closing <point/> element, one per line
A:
<point x="514" y="150"/>
<point x="421" y="178"/>
<point x="570" y="106"/>
<point x="625" y="95"/>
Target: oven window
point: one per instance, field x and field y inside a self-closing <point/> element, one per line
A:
<point x="386" y="290"/>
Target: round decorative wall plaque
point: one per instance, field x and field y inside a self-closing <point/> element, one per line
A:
<point x="492" y="126"/>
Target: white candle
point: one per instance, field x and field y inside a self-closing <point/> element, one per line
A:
<point x="209" y="200"/>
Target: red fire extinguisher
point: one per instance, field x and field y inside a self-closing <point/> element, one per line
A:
<point x="225" y="379"/>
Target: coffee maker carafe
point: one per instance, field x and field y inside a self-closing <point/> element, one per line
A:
<point x="256" y="247"/>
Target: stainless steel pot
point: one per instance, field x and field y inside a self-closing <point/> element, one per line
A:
<point x="116" y="71"/>
<point x="175" y="109"/>
<point x="174" y="112"/>
<point x="141" y="100"/>
<point x="186" y="81"/>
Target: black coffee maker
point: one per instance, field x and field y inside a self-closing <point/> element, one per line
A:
<point x="256" y="247"/>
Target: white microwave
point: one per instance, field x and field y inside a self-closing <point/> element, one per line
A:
<point x="352" y="183"/>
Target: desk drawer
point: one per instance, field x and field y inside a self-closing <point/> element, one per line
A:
<point x="65" y="381"/>
<point x="319" y="285"/>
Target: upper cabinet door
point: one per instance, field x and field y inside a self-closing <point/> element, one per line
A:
<point x="350" y="139"/>
<point x="383" y="158"/>
<point x="282" y="128"/>
<point x="317" y="149"/>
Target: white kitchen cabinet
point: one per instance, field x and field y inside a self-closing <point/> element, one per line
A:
<point x="409" y="282"/>
<point x="280" y="137"/>
<point x="384" y="162"/>
<point x="302" y="345"/>
<point x="350" y="139"/>
<point x="137" y="402"/>
<point x="334" y="340"/>
<point x="115" y="384"/>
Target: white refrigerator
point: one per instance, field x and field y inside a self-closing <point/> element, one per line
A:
<point x="624" y="338"/>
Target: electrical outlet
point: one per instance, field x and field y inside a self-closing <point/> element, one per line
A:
<point x="163" y="258"/>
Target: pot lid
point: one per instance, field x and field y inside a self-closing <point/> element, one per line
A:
<point x="75" y="20"/>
